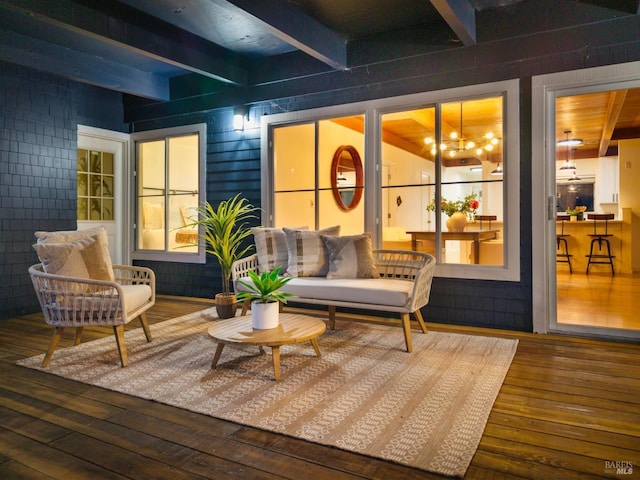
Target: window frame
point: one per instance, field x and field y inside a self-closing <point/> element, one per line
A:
<point x="163" y="134"/>
<point x="373" y="111"/>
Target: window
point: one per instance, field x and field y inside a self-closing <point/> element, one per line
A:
<point x="169" y="187"/>
<point x="303" y="159"/>
<point x="415" y="151"/>
<point x="461" y="144"/>
<point x="95" y="185"/>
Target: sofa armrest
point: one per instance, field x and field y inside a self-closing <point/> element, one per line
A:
<point x="418" y="267"/>
<point x="240" y="268"/>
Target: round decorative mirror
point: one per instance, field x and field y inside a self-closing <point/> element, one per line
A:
<point x="347" y="180"/>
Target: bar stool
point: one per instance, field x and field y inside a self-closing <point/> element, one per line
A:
<point x="600" y="238"/>
<point x="486" y="218"/>
<point x="561" y="239"/>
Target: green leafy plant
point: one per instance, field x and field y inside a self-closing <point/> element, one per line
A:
<point x="225" y="229"/>
<point x="265" y="287"/>
<point x="576" y="211"/>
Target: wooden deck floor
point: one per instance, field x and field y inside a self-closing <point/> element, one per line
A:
<point x="567" y="407"/>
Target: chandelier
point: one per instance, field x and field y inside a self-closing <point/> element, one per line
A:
<point x="458" y="145"/>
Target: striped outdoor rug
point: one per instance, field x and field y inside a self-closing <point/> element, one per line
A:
<point x="426" y="409"/>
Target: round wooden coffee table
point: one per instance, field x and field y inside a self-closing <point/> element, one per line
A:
<point x="293" y="328"/>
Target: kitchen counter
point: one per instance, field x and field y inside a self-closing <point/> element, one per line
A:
<point x="579" y="243"/>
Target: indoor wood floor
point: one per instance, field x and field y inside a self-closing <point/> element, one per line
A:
<point x="598" y="299"/>
<point x="567" y="407"/>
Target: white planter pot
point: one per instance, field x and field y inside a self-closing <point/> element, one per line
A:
<point x="264" y="315"/>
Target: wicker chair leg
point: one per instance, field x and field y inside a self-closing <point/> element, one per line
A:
<point x="332" y="317"/>
<point x="406" y="326"/>
<point x="57" y="335"/>
<point x="118" y="330"/>
<point x="418" y="315"/>
<point x="78" y="336"/>
<point x="145" y="326"/>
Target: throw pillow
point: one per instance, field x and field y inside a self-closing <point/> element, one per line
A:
<point x="102" y="260"/>
<point x="307" y="253"/>
<point x="153" y="215"/>
<point x="350" y="256"/>
<point x="79" y="259"/>
<point x="271" y="247"/>
<point x="189" y="214"/>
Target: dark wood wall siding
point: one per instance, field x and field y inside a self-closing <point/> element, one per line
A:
<point x="34" y="182"/>
<point x="39" y="116"/>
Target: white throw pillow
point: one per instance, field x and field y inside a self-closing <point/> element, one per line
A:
<point x="79" y="259"/>
<point x="102" y="260"/>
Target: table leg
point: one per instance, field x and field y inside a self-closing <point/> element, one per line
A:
<point x="476" y="251"/>
<point x="216" y="357"/>
<point x="275" y="353"/>
<point x="314" y="342"/>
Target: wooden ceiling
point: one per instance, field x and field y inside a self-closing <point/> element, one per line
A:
<point x="598" y="119"/>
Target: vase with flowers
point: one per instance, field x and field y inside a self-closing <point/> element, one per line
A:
<point x="458" y="211"/>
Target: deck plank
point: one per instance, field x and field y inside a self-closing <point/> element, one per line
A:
<point x="567" y="405"/>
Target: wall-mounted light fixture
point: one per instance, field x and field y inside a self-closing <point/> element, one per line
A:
<point x="239" y="114"/>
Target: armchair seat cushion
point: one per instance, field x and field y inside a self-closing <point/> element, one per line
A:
<point x="102" y="307"/>
<point x="136" y="296"/>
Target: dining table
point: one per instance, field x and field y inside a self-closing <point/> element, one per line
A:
<point x="475" y="236"/>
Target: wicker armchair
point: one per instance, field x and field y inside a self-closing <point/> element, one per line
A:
<point x="78" y="303"/>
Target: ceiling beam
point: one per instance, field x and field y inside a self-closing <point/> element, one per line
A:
<point x="626" y="133"/>
<point x="79" y="66"/>
<point x="290" y="24"/>
<point x="460" y="16"/>
<point x="138" y="33"/>
<point x="614" y="107"/>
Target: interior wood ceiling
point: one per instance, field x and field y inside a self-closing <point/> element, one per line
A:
<point x="600" y="120"/>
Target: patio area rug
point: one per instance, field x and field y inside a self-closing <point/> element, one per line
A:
<point x="366" y="394"/>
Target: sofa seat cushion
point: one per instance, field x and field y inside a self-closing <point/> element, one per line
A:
<point x="372" y="291"/>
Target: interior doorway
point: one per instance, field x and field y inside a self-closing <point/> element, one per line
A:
<point x="599" y="303"/>
<point x="103" y="187"/>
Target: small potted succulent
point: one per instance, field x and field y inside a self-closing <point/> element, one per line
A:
<point x="264" y="291"/>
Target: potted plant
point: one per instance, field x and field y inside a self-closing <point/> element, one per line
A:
<point x="264" y="291"/>
<point x="225" y="229"/>
<point x="576" y="213"/>
<point x="459" y="211"/>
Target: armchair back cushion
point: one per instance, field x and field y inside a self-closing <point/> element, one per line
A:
<point x="79" y="259"/>
<point x="74" y="249"/>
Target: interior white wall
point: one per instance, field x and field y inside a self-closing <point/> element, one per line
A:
<point x="295" y="169"/>
<point x="629" y="178"/>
